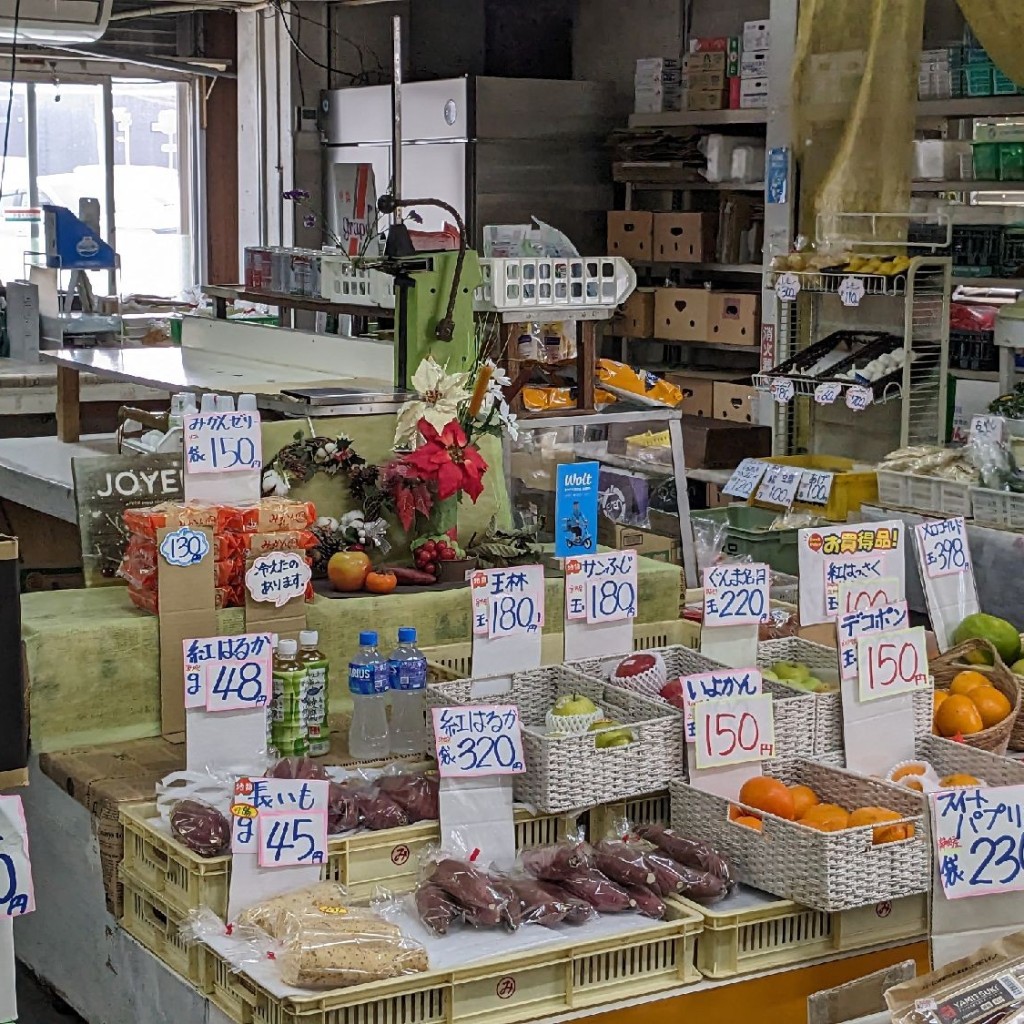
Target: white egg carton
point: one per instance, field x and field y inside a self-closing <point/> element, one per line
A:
<point x="925" y="494"/>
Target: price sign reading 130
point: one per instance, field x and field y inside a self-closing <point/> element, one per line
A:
<point x="889" y="664"/>
<point x="508" y="602"/>
<point x="477" y="741"/>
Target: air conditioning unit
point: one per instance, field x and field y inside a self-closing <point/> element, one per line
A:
<point x="54" y="21"/>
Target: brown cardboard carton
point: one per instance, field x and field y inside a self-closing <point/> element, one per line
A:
<point x="734" y="318"/>
<point x="706" y="99"/>
<point x="734" y="402"/>
<point x="637" y="317"/>
<point x="630" y="234"/>
<point x="685" y="237"/>
<point x="720" y="444"/>
<point x="698" y="392"/>
<point x="643" y="542"/>
<point x="681" y="314"/>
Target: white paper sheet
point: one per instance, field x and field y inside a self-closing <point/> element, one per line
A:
<point x="477" y="814"/>
<point x="877" y="734"/>
<point x="8" y="997"/>
<point x="224" y="740"/>
<point x="950" y="595"/>
<point x="734" y="646"/>
<point x="492" y="655"/>
<point x="597" y="639"/>
<point x="725" y="782"/>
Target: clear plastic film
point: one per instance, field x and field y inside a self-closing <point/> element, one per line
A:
<point x="201" y="827"/>
<point x="454" y="888"/>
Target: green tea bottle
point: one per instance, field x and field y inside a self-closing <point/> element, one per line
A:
<point x="288" y="731"/>
<point x="316" y="703"/>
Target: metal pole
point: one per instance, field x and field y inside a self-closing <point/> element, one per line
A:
<point x="109" y="198"/>
<point x="396" y="114"/>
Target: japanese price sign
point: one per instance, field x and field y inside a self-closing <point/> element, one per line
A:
<point x="815" y="487"/>
<point x="282" y="821"/>
<point x="979" y="840"/>
<point x="851" y="290"/>
<point x="850" y="627"/>
<point x="734" y="730"/>
<point x="782" y="390"/>
<point x="779" y="485"/>
<point x="17" y="894"/>
<point x="943" y="547"/>
<point x="787" y="287"/>
<point x="891" y="663"/>
<point x="859" y="397"/>
<point x="985" y="428"/>
<point x="508" y="602"/>
<point x="228" y="673"/>
<point x="476" y="741"/>
<point x="826" y="394"/>
<point x="601" y="588"/>
<point x="223" y="442"/>
<point x="736" y="595"/>
<point x="184" y="546"/>
<point x="745" y="478"/>
<point x="278" y="578"/>
<point x="743" y="682"/>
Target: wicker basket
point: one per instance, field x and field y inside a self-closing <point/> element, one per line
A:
<point x="946" y="666"/>
<point x="564" y="773"/>
<point x="948" y="757"/>
<point x="827" y="871"/>
<point x="794" y="712"/>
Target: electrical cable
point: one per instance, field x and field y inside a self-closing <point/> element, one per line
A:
<point x="298" y="48"/>
<point x="10" y="94"/>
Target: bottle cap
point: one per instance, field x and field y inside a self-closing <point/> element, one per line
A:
<point x="287" y="648"/>
<point x="309" y="637"/>
<point x="406" y="634"/>
<point x="368" y="638"/>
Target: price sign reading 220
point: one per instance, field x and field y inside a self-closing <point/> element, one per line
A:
<point x="479" y="740"/>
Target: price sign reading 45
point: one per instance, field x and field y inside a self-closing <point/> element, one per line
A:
<point x="290" y="838"/>
<point x="736" y="595"/>
<point x="480" y="740"/>
<point x="943" y="547"/>
<point x="889" y="664"/>
<point x="508" y="602"/>
<point x="223" y="442"/>
<point x="734" y="730"/>
<point x="601" y="588"/>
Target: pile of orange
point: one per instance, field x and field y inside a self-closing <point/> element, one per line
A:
<point x="907" y="775"/>
<point x="802" y="805"/>
<point x="970" y="704"/>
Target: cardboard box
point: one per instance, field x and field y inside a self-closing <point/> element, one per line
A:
<point x="682" y="314"/>
<point x="753" y="93"/>
<point x="735" y="318"/>
<point x="637" y="317"/>
<point x="657" y="101"/>
<point x="721" y="444"/>
<point x="643" y="542"/>
<point x="859" y="1001"/>
<point x="698" y="392"/>
<point x="705" y="80"/>
<point x="706" y="61"/>
<point x="757" y="35"/>
<point x="734" y="402"/>
<point x="630" y="234"/>
<point x="685" y="237"/>
<point x="706" y="99"/>
<point x="754" y="64"/>
<point x="716" y="498"/>
<point x="538" y="470"/>
<point x="729" y="45"/>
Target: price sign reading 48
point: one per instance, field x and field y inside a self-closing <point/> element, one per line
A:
<point x="228" y="673"/>
<point x="889" y="664"/>
<point x="734" y="730"/>
<point x="480" y="740"/>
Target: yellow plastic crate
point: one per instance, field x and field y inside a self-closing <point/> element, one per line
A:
<point x="780" y="933"/>
<point x="524" y="986"/>
<point x="653" y="809"/>
<point x="850" y="489"/>
<point x="155" y="925"/>
<point x="183" y="880"/>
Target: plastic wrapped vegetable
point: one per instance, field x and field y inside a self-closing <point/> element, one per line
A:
<point x="269" y="915"/>
<point x="672" y="878"/>
<point x="558" y="862"/>
<point x="342" y="808"/>
<point x="202" y="828"/>
<point x="688" y="852"/>
<point x="298" y="768"/>
<point x="599" y="891"/>
<point x="542" y="903"/>
<point x="436" y="909"/>
<point x="578" y="911"/>
<point x="622" y="862"/>
<point x="473" y="890"/>
<point x="416" y="794"/>
<point x="378" y="811"/>
<point x="647" y="902"/>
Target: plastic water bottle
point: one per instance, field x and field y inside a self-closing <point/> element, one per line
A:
<point x="368" y="735"/>
<point x="407" y="668"/>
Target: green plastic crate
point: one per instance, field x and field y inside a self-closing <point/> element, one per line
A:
<point x="986" y="161"/>
<point x="749" y="534"/>
<point x="1011" y="161"/>
<point x="979" y="79"/>
<point x="1003" y="85"/>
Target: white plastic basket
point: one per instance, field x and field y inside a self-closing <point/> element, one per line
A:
<point x="924" y="493"/>
<point x="341" y="280"/>
<point x="1002" y="509"/>
<point x="595" y="284"/>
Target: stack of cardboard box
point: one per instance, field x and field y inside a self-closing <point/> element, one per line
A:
<point x="709" y="65"/>
<point x="753" y="83"/>
<point x="657" y="85"/>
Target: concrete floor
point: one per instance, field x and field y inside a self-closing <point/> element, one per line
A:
<point x="37" y="1006"/>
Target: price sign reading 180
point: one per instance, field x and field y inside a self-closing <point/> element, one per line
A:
<point x="889" y="664"/>
<point x="479" y="740"/>
<point x="601" y="588"/>
<point x="508" y="602"/>
<point x="734" y="730"/>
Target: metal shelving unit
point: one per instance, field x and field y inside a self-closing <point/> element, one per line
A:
<point x="698" y="118"/>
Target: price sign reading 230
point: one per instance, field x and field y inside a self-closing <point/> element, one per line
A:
<point x="479" y="740"/>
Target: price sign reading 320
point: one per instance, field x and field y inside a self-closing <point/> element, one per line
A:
<point x="734" y="730"/>
<point x="508" y="602"/>
<point x="889" y="664"/>
<point x="736" y="595"/>
<point x="479" y="740"/>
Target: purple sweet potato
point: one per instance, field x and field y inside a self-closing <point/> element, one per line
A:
<point x="555" y="863"/>
<point x="648" y="903"/>
<point x="379" y="811"/>
<point x="511" y="910"/>
<point x="202" y="828"/>
<point x="471" y="888"/>
<point x="622" y="862"/>
<point x="417" y="795"/>
<point x="436" y="908"/>
<point x="672" y="878"/>
<point x="537" y="905"/>
<point x="688" y="852"/>
<point x="298" y="768"/>
<point x="342" y="809"/>
<point x="577" y="911"/>
<point x="599" y="891"/>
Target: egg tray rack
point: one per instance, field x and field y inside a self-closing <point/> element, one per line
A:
<point x="830" y="279"/>
<point x="827" y="871"/>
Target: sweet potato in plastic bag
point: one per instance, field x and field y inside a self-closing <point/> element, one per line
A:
<point x="577" y="911"/>
<point x="202" y="828"/>
<point x="672" y="878"/>
<point x="623" y="862"/>
<point x="298" y="768"/>
<point x="599" y="891"/>
<point x="511" y="910"/>
<point x="688" y="852"/>
<point x="417" y="795"/>
<point x="378" y="810"/>
<point x="648" y="902"/>
<point x="471" y="888"/>
<point x="537" y="904"/>
<point x="437" y="910"/>
<point x="342" y="808"/>
<point x="557" y="862"/>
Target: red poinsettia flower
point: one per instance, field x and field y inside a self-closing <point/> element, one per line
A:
<point x="450" y="459"/>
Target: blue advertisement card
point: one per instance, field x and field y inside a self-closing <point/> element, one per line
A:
<point x="576" y="508"/>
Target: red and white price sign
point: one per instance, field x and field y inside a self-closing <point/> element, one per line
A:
<point x="736" y="595"/>
<point x="891" y="663"/>
<point x="508" y="602"/>
<point x="734" y="730"/>
<point x="473" y="742"/>
<point x="601" y="588"/>
<point x="292" y="838"/>
<point x="228" y="673"/>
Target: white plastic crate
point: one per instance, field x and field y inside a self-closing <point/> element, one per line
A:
<point x="1002" y="509"/>
<point x="341" y="280"/>
<point x="924" y="493"/>
<point x="593" y="284"/>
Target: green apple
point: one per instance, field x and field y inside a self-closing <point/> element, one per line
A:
<point x="609" y="734"/>
<point x="1018" y="667"/>
<point x="790" y="672"/>
<point x="574" y="704"/>
<point x="767" y="673"/>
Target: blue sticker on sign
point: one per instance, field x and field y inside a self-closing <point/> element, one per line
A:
<point x="777" y="175"/>
<point x="576" y="508"/>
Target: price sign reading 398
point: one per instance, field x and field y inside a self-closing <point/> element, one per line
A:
<point x="889" y="664"/>
<point x="480" y="740"/>
<point x="943" y="546"/>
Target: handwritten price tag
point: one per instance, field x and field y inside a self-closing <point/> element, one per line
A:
<point x="290" y="838"/>
<point x="184" y="546"/>
<point x="853" y="625"/>
<point x="223" y="442"/>
<point x="739" y="682"/>
<point x="851" y="290"/>
<point x="944" y="549"/>
<point x="734" y="730"/>
<point x="779" y="485"/>
<point x="476" y="741"/>
<point x="987" y="427"/>
<point x="787" y="287"/>
<point x="278" y="578"/>
<point x="745" y="478"/>
<point x="979" y="840"/>
<point x="279" y="801"/>
<point x="736" y="595"/>
<point x="601" y="588"/>
<point x="17" y="893"/>
<point x="782" y="389"/>
<point x="889" y="664"/>
<point x="228" y="673"/>
<point x="859" y="397"/>
<point x="508" y="602"/>
<point x="827" y="393"/>
<point x="815" y="487"/>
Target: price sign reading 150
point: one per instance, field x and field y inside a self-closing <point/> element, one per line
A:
<point x="889" y="664"/>
<point x="734" y="730"/>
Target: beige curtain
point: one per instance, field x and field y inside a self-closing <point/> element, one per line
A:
<point x="999" y="26"/>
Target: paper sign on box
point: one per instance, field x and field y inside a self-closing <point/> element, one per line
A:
<point x="17" y="893"/>
<point x="734" y="730"/>
<point x="472" y="742"/>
